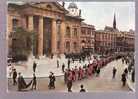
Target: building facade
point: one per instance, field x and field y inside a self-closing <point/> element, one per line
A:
<point x="112" y="40"/>
<point x="61" y="30"/>
<point x="58" y="30"/>
<point x="87" y="37"/>
<point x="105" y="41"/>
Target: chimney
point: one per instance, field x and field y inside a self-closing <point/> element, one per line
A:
<point x="80" y="12"/>
<point x="63" y="3"/>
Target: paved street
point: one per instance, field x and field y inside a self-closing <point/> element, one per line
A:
<point x="92" y="84"/>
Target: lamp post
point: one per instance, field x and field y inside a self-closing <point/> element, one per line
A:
<point x="83" y="44"/>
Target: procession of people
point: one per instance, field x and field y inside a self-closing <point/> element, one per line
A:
<point x="72" y="75"/>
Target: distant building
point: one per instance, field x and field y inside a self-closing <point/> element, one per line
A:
<point x="87" y="37"/>
<point x="112" y="40"/>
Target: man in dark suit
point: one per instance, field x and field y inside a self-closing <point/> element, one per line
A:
<point x="34" y="67"/>
<point x="14" y="77"/>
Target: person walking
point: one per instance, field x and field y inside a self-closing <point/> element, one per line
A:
<point x="65" y="76"/>
<point x="63" y="67"/>
<point x="57" y="63"/>
<point x="68" y="63"/>
<point x="14" y="77"/>
<point x="34" y="82"/>
<point x="133" y="76"/>
<point x="69" y="82"/>
<point x="82" y="89"/>
<point x="98" y="71"/>
<point x="123" y="79"/>
<point x="34" y="66"/>
<point x="52" y="81"/>
<point x="114" y="72"/>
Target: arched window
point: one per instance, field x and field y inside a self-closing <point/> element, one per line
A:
<point x="68" y="46"/>
<point x="68" y="31"/>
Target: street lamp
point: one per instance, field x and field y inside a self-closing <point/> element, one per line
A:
<point x="83" y="44"/>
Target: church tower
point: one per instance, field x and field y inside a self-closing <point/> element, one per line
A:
<point x="114" y="22"/>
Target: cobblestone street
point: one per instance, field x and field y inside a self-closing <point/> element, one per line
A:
<point x="102" y="83"/>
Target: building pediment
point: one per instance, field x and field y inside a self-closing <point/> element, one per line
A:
<point x="52" y="6"/>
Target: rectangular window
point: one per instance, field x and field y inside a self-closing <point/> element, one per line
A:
<point x="75" y="32"/>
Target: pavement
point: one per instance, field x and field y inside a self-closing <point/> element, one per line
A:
<point x="44" y="67"/>
<point x="103" y="83"/>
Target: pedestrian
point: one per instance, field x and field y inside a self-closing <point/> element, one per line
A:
<point x="34" y="82"/>
<point x="52" y="81"/>
<point x="133" y="76"/>
<point x="98" y="71"/>
<point x="123" y="79"/>
<point x="57" y="63"/>
<point x="34" y="66"/>
<point x="63" y="67"/>
<point x="65" y="76"/>
<point x="69" y="83"/>
<point x="68" y="63"/>
<point x="126" y="71"/>
<point x="14" y="77"/>
<point x="21" y="83"/>
<point x="114" y="72"/>
<point x="80" y="60"/>
<point x="82" y="89"/>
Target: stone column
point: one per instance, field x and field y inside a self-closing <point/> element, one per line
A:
<point x="40" y="37"/>
<point x="63" y="29"/>
<point x="30" y="23"/>
<point x="54" y="35"/>
<point x="9" y="24"/>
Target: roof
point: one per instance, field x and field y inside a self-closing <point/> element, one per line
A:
<point x="75" y="17"/>
<point x="83" y="24"/>
<point x="72" y="5"/>
<point x="110" y="29"/>
<point x="34" y="4"/>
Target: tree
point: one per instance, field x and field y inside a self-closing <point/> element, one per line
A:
<point x="22" y="42"/>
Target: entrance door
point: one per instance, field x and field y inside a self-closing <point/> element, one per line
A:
<point x="47" y="36"/>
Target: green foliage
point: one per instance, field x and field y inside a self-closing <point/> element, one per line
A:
<point x="22" y="42"/>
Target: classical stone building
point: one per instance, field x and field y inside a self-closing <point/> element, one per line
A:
<point x="87" y="37"/>
<point x="58" y="29"/>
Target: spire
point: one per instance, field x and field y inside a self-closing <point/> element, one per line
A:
<point x="114" y="22"/>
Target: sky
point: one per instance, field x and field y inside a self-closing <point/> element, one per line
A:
<point x="101" y="14"/>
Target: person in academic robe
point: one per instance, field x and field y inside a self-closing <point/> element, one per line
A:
<point x="69" y="82"/>
<point x="76" y="73"/>
<point x="22" y="84"/>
